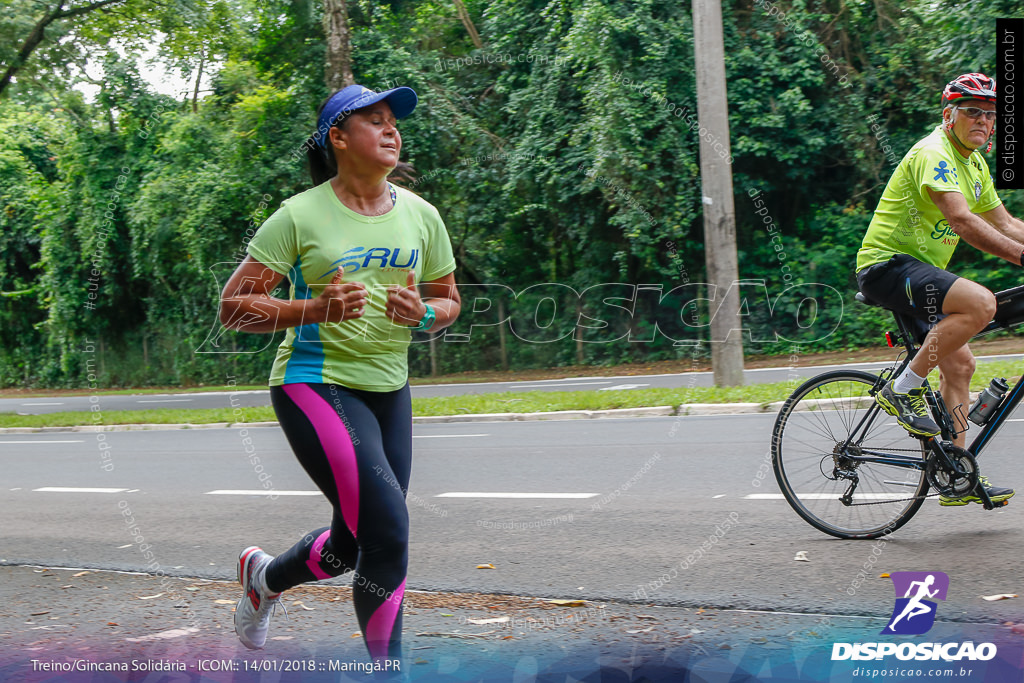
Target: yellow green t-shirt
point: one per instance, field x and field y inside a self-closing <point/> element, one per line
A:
<point x="907" y="221"/>
<point x="307" y="239"/>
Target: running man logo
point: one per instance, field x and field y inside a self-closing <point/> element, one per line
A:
<point x="913" y="614"/>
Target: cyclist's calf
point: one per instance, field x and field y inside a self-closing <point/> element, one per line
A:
<point x="958" y="367"/>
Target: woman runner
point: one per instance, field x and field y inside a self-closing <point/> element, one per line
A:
<point x="354" y="248"/>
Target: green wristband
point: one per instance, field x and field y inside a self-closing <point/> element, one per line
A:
<point x="427" y="321"/>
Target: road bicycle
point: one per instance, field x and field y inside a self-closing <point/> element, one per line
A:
<point x="850" y="470"/>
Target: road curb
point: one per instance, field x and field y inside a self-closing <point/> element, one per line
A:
<point x="695" y="409"/>
<point x="686" y="410"/>
<point x="657" y="411"/>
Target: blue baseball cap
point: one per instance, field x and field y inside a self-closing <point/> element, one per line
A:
<point x="402" y="101"/>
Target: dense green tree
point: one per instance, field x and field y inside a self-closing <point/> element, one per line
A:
<point x="558" y="138"/>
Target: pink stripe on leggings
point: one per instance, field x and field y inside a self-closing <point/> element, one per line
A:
<point x="314" y="556"/>
<point x="337" y="445"/>
<point x="378" y="629"/>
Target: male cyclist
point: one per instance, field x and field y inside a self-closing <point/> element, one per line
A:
<point x="939" y="193"/>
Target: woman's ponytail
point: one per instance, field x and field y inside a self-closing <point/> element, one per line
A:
<point x="322" y="166"/>
<point x="319" y="154"/>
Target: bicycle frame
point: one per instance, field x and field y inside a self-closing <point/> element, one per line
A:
<point x="1013" y="398"/>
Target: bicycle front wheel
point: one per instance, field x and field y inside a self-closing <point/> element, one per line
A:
<point x="821" y="437"/>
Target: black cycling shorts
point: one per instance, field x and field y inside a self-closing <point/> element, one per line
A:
<point x="908" y="286"/>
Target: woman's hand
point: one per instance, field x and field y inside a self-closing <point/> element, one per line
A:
<point x="404" y="306"/>
<point x="340" y="301"/>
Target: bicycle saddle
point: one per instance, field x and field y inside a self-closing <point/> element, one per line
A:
<point x="868" y="302"/>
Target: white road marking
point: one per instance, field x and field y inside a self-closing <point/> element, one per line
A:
<point x="446" y="436"/>
<point x="623" y="386"/>
<point x="261" y="492"/>
<point x="41" y="441"/>
<point x="493" y="494"/>
<point x="825" y="496"/>
<point x="43" y="404"/>
<point x="75" y="489"/>
<point x="567" y="384"/>
<point x="164" y="400"/>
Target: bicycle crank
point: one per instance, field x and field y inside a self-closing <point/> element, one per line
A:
<point x="955" y="475"/>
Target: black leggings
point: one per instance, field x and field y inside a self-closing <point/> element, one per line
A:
<point x="357" y="448"/>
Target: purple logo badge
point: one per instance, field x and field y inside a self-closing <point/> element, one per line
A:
<point x="914" y="612"/>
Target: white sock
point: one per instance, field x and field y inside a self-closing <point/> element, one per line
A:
<point x="907" y="380"/>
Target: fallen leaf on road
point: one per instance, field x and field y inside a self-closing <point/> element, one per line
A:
<point x="149" y="597"/>
<point x="447" y="615"/>
<point x="357" y="634"/>
<point x="126" y="545"/>
<point x="111" y="623"/>
<point x="1000" y="596"/>
<point x="164" y="635"/>
<point x="486" y="566"/>
<point x="646" y="616"/>
<point x="495" y="620"/>
<point x="568" y="603"/>
<point x="759" y="639"/>
<point x="640" y="630"/>
<point x="75" y="576"/>
<point x="39" y="614"/>
<point x="1018" y="629"/>
<point x="801" y="556"/>
<point x="296" y="603"/>
<point x="192" y="589"/>
<point x="884" y="576"/>
<point x="283" y="638"/>
<point x="224" y="602"/>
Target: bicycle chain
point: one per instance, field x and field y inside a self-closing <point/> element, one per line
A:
<point x="898" y="500"/>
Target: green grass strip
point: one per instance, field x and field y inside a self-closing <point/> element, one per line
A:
<point x="472" y="404"/>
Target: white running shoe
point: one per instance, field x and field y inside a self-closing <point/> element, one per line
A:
<point x="252" y="614"/>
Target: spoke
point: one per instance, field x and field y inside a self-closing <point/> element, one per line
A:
<point x="805" y="457"/>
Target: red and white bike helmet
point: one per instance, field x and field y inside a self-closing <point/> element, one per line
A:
<point x="969" y="87"/>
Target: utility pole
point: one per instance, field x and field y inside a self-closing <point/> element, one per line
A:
<point x="716" y="189"/>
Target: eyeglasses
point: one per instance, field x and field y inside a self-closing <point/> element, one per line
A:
<point x="975" y="113"/>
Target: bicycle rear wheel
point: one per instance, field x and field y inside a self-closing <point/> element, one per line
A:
<point x="815" y="459"/>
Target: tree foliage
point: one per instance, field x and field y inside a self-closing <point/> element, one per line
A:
<point x="558" y="138"/>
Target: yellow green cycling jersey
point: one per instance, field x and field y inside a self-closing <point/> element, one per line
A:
<point x="907" y="221"/>
<point x="307" y="239"/>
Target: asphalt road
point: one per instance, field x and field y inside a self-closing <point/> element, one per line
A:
<point x="646" y="494"/>
<point x="59" y="404"/>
